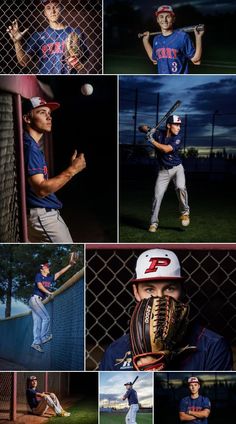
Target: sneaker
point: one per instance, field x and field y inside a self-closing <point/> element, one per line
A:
<point x="64" y="414"/>
<point x="153" y="228"/>
<point x="37" y="347"/>
<point x="185" y="220"/>
<point x="47" y="339"/>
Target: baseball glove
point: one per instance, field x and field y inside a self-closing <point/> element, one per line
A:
<point x="73" y="258"/>
<point x="157" y="326"/>
<point x="72" y="51"/>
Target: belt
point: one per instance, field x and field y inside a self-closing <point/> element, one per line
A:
<point x="37" y="296"/>
<point x="165" y="167"/>
<point x="46" y="209"/>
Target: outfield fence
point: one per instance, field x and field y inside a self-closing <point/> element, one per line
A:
<point x="83" y="14"/>
<point x="210" y="272"/>
<point x="66" y="350"/>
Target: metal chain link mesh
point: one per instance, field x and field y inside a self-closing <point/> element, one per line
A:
<point x="210" y="287"/>
<point x="5" y="394"/>
<point x="9" y="213"/>
<point x="83" y="14"/>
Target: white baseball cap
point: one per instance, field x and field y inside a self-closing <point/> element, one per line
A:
<point x="193" y="380"/>
<point x="158" y="264"/>
<point x="164" y="9"/>
<point x="34" y="102"/>
<point x="173" y="119"/>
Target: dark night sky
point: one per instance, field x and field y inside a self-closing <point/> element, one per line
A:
<point x="204" y="6"/>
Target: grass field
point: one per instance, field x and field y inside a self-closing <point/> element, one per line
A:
<point x="110" y="418"/>
<point x="212" y="205"/>
<point x="217" y="60"/>
<point x="83" y="413"/>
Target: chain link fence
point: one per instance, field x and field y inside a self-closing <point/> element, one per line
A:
<point x="5" y="394"/>
<point x="9" y="211"/>
<point x="210" y="287"/>
<point x="38" y="40"/>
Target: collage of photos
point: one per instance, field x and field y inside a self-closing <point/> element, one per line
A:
<point x="117" y="212"/>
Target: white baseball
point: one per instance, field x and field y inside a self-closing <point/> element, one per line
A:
<point x="87" y="89"/>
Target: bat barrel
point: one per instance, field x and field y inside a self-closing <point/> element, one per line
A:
<point x="199" y="27"/>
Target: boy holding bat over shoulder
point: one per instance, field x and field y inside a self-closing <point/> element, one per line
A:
<point x="172" y="49"/>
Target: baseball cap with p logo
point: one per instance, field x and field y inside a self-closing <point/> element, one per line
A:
<point x="35" y="102"/>
<point x="193" y="380"/>
<point x="173" y="119"/>
<point x="158" y="264"/>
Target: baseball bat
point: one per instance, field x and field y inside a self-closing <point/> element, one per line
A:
<point x="136" y="378"/>
<point x="170" y="111"/>
<point x="199" y="27"/>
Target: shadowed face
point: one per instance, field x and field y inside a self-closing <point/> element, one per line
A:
<point x="34" y="383"/>
<point x="174" y="128"/>
<point x="52" y="11"/>
<point x="144" y="290"/>
<point x="194" y="388"/>
<point x="40" y="119"/>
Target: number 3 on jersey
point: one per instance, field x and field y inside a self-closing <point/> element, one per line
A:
<point x="174" y="66"/>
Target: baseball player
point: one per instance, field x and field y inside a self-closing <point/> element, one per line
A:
<point x="45" y="223"/>
<point x="158" y="274"/>
<point x="50" y="45"/>
<point x="39" y="402"/>
<point x="132" y="397"/>
<point x="172" y="49"/>
<point x="167" y="144"/>
<point x="44" y="282"/>
<point x="195" y="408"/>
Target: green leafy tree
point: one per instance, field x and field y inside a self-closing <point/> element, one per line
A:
<point x="21" y="262"/>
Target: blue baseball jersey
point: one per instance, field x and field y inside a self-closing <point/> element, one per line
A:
<point x="198" y="404"/>
<point x="31" y="396"/>
<point x="35" y="164"/>
<point x="49" y="46"/>
<point x="212" y="353"/>
<point x="47" y="282"/>
<point x="168" y="160"/>
<point x="132" y="396"/>
<point x="172" y="52"/>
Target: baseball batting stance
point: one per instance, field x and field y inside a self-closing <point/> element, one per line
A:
<point x="167" y="144"/>
<point x="43" y="286"/>
<point x="45" y="223"/>
<point x="60" y="49"/>
<point x="160" y="335"/>
<point x="132" y="397"/>
<point x="195" y="408"/>
<point x="172" y="49"/>
<point x="39" y="402"/>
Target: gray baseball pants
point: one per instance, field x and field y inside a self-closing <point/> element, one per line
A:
<point x="47" y="226"/>
<point x="177" y="175"/>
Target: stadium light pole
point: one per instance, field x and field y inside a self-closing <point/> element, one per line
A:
<point x="212" y="138"/>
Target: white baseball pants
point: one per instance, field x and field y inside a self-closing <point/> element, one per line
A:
<point x="175" y="174"/>
<point x="131" y="415"/>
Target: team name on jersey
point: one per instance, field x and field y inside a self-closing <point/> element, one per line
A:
<point x="53" y="48"/>
<point x="166" y="53"/>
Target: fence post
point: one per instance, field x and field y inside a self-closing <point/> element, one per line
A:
<point x="13" y="405"/>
